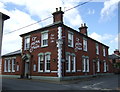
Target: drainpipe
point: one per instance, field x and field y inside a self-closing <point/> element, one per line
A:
<point x="59" y="46"/>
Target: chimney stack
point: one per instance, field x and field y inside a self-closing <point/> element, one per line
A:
<point x="58" y="15"/>
<point x="83" y="29"/>
<point x="117" y="52"/>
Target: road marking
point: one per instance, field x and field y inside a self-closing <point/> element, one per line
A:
<point x="92" y="86"/>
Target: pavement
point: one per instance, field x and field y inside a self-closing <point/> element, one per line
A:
<point x="107" y="82"/>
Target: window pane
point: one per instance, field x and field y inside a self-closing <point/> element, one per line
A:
<point x="45" y="42"/>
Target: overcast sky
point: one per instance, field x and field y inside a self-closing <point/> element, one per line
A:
<point x="100" y="17"/>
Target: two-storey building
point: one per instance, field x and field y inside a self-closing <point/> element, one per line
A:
<point x="58" y="51"/>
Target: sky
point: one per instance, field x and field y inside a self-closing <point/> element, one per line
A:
<point x="101" y="17"/>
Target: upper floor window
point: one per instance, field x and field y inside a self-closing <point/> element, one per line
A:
<point x="27" y="43"/>
<point x="104" y="53"/>
<point x="97" y="48"/>
<point x="44" y="38"/>
<point x="70" y="39"/>
<point x="84" y="44"/>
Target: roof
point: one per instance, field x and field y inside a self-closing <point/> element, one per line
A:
<point x="12" y="53"/>
<point x="60" y="23"/>
<point x="51" y="25"/>
<point x="114" y="56"/>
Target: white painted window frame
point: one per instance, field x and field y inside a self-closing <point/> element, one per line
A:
<point x="9" y="66"/>
<point x="105" y="70"/>
<point x="13" y="65"/>
<point x="98" y="66"/>
<point x="46" y="62"/>
<point x="85" y="62"/>
<point x="25" y="42"/>
<point x="104" y="53"/>
<point x="42" y="38"/>
<point x="69" y="63"/>
<point x="74" y="64"/>
<point x="88" y="65"/>
<point x="72" y="39"/>
<point x="97" y="49"/>
<point x="85" y="44"/>
<point x="5" y="64"/>
<point x="40" y="62"/>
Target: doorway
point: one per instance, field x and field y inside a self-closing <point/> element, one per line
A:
<point x="26" y="73"/>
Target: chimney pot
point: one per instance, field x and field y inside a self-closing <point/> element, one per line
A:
<point x="60" y="8"/>
<point x="84" y="24"/>
<point x="81" y="25"/>
<point x="56" y="9"/>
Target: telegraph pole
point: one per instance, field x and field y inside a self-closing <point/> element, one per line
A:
<point x="3" y="17"/>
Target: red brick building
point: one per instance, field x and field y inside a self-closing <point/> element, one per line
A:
<point x="11" y="63"/>
<point x="58" y="51"/>
<point x="114" y="60"/>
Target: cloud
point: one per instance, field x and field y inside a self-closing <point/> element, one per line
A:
<point x="18" y="19"/>
<point x="100" y="38"/>
<point x="107" y="39"/>
<point x="40" y="8"/>
<point x="108" y="10"/>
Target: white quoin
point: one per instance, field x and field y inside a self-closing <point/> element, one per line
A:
<point x="59" y="45"/>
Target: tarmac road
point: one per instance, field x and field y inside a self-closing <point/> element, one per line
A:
<point x="108" y="82"/>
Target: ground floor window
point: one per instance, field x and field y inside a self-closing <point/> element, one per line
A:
<point x="17" y="68"/>
<point x="5" y="66"/>
<point x="40" y="62"/>
<point x="9" y="64"/>
<point x="73" y="63"/>
<point x="98" y="65"/>
<point x="67" y="63"/>
<point x="70" y="62"/>
<point x="47" y="63"/>
<point x="44" y="62"/>
<point x="13" y="65"/>
<point x="34" y="67"/>
<point x="105" y="66"/>
<point x="85" y="64"/>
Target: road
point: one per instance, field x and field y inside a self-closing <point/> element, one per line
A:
<point x="108" y="82"/>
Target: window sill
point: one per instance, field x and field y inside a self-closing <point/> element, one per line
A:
<point x="26" y="49"/>
<point x="70" y="46"/>
<point x="39" y="71"/>
<point x="67" y="71"/>
<point x="43" y="46"/>
<point x="84" y="50"/>
<point x="73" y="71"/>
<point x="47" y="71"/>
